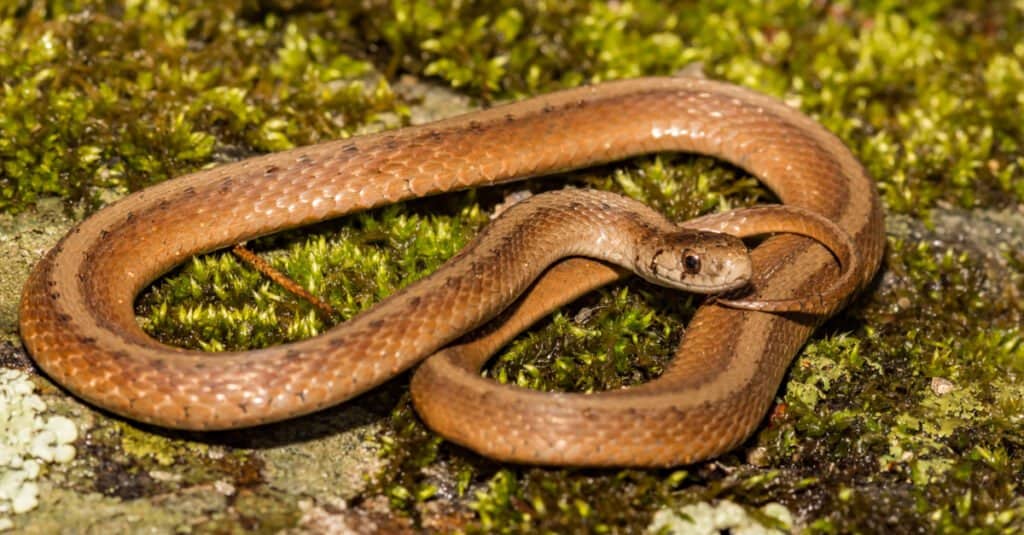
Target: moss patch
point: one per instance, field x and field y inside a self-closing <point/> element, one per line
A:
<point x="103" y="96"/>
<point x="902" y="415"/>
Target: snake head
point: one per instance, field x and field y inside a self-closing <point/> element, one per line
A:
<point x="695" y="261"/>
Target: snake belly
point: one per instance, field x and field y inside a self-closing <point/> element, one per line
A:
<point x="77" y="318"/>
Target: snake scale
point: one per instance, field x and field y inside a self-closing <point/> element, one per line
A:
<point x="77" y="317"/>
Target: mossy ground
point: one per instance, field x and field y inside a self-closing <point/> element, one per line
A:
<point x="903" y="414"/>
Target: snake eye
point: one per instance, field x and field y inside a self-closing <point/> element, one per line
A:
<point x="691" y="262"/>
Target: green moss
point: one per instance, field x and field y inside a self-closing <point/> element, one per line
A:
<point x="163" y="451"/>
<point x="904" y="87"/>
<point x="215" y="303"/>
<point x="923" y="412"/>
<point x="408" y="449"/>
<point x="99" y="97"/>
<point x="204" y="83"/>
<point x="559" y="501"/>
<point x="919" y="93"/>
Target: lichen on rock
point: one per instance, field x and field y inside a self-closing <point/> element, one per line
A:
<point x="29" y="441"/>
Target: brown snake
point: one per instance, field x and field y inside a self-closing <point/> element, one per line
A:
<point x="77" y="317"/>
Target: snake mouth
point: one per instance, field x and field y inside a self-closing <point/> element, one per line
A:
<point x="717" y="289"/>
<point x="720" y="290"/>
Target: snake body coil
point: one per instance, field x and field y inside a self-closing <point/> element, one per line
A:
<point x="77" y="316"/>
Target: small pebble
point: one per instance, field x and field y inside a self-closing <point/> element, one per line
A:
<point x="224" y="487"/>
<point x="942" y="386"/>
